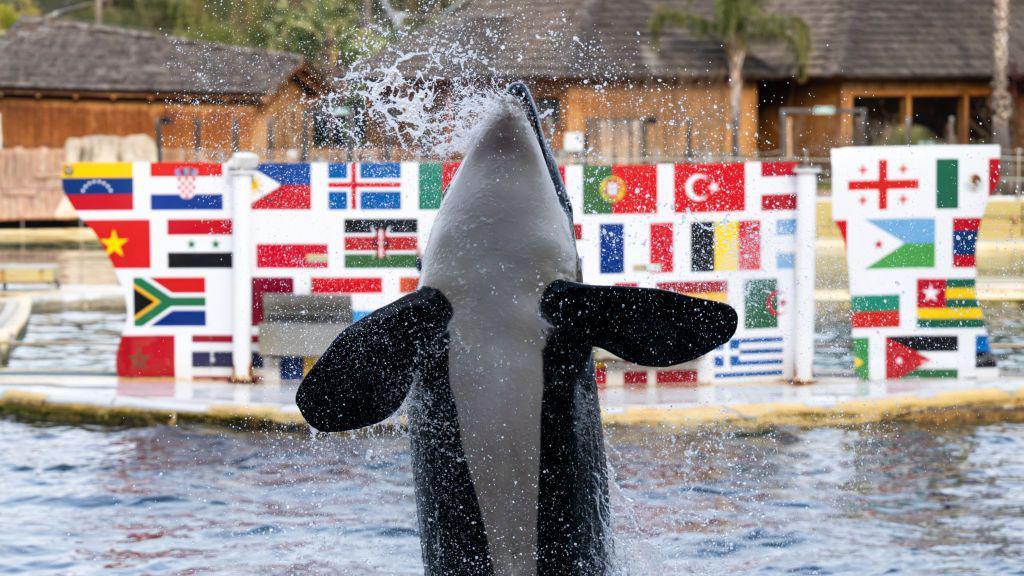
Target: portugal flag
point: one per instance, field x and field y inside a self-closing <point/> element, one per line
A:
<point x="125" y="241"/>
<point x="620" y="189"/>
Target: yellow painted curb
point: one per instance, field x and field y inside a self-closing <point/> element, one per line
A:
<point x="983" y="405"/>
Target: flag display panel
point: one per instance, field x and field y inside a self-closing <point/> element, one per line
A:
<point x="909" y="217"/>
<point x="724" y="232"/>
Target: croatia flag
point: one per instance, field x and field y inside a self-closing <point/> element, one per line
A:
<point x="186" y="186"/>
<point x="369" y="185"/>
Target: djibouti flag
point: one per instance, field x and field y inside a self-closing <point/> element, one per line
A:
<point x="903" y="243"/>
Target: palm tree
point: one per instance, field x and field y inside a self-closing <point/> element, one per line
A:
<point x="736" y="23"/>
<point x="1002" y="104"/>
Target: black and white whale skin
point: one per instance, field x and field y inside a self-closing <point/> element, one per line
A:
<point x="495" y="352"/>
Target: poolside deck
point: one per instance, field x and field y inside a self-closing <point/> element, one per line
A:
<point x="831" y="402"/>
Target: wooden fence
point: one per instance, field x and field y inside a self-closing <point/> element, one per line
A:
<point x="30" y="186"/>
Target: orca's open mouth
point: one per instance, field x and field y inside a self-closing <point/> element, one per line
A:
<point x="520" y="91"/>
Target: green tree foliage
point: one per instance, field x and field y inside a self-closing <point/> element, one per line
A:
<point x="330" y="33"/>
<point x="11" y="10"/>
<point x="737" y="23"/>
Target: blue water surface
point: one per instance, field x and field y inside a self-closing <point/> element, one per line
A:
<point x="884" y="499"/>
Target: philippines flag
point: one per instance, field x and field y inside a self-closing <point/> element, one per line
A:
<point x="281" y="187"/>
<point x="368" y="185"/>
<point x="186" y="186"/>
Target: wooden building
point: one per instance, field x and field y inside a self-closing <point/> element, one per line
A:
<point x="61" y="79"/>
<point x="593" y="65"/>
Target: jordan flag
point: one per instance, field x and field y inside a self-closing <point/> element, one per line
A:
<point x="710" y="187"/>
<point x="125" y="241"/>
<point x="921" y="357"/>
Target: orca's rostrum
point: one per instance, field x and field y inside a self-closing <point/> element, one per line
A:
<point x="495" y="350"/>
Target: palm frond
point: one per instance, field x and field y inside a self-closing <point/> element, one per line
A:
<point x="664" y="18"/>
<point x="789" y="29"/>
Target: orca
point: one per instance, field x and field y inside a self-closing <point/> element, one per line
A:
<point x="494" y="352"/>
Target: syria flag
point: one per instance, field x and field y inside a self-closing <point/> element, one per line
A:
<point x="710" y="187"/>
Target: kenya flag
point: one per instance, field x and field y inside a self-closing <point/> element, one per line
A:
<point x="380" y="243"/>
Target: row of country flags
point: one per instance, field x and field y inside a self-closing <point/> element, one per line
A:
<point x="206" y="243"/>
<point x="922" y="356"/>
<point x="725" y="245"/>
<point x="181" y="301"/>
<point x="940" y="303"/>
<point x="618" y="189"/>
<point x="394" y="243"/>
<point x="910" y="242"/>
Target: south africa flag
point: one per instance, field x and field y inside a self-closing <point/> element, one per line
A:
<point x="169" y="302"/>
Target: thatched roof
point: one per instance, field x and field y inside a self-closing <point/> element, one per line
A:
<point x="907" y="39"/>
<point x="40" y="54"/>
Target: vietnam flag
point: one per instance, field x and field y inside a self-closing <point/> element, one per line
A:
<point x="125" y="241"/>
<point x="620" y="189"/>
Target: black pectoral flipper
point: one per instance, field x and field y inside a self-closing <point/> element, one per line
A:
<point x="365" y="374"/>
<point x="645" y="326"/>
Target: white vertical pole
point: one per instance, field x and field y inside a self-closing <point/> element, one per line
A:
<point x="241" y="170"/>
<point x="806" y="235"/>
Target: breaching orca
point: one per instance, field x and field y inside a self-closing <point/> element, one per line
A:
<point x="495" y="349"/>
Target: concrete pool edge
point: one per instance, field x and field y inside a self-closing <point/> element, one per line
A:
<point x="107" y="400"/>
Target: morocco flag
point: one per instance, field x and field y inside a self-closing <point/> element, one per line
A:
<point x="620" y="189"/>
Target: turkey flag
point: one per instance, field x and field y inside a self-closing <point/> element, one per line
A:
<point x="709" y="187"/>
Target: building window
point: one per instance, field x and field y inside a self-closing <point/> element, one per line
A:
<point x="939" y="116"/>
<point x="618" y="140"/>
<point x="884" y="115"/>
<point x="980" y="127"/>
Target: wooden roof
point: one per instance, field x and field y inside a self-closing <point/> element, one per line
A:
<point x="908" y="39"/>
<point x="60" y="55"/>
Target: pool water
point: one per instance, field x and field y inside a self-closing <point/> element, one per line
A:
<point x="884" y="499"/>
<point x="87" y="340"/>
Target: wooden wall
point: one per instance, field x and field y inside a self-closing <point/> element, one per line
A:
<point x="704" y="103"/>
<point x="48" y="121"/>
